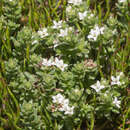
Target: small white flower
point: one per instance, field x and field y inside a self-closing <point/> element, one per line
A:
<point x="91" y="15"/>
<point x="70" y="28"/>
<point x="122" y="1"/>
<point x="63" y="33"/>
<point x="114" y="31"/>
<point x="64" y="104"/>
<point x="44" y="30"/>
<point x="57" y="25"/>
<point x="76" y="90"/>
<point x="55" y="42"/>
<point x="40" y="33"/>
<point x="32" y="36"/>
<point x="75" y="2"/>
<point x="121" y="74"/>
<point x="95" y="32"/>
<point x="93" y="35"/>
<point x="55" y="45"/>
<point x="82" y="15"/>
<point x="44" y="62"/>
<point x="60" y="64"/>
<point x="68" y="9"/>
<point x="115" y="80"/>
<point x="102" y="30"/>
<point x="61" y="108"/>
<point x="50" y="62"/>
<point x="43" y="33"/>
<point x="116" y="102"/>
<point x="47" y="62"/>
<point x="97" y="86"/>
<point x="69" y="110"/>
<point x="58" y="99"/>
<point x="34" y="42"/>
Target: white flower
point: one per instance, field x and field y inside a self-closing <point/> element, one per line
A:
<point x="122" y="1"/>
<point x="98" y="29"/>
<point x="93" y="35"/>
<point x="66" y="102"/>
<point x="58" y="99"/>
<point x="69" y="110"/>
<point x="121" y="74"/>
<point x="43" y="33"/>
<point x="76" y="90"/>
<point x="91" y="15"/>
<point x="114" y="31"/>
<point x="60" y="64"/>
<point x="55" y="42"/>
<point x="47" y="62"/>
<point x="40" y="33"/>
<point x="116" y="102"/>
<point x="102" y="30"/>
<point x="95" y="32"/>
<point x="97" y="86"/>
<point x="57" y="25"/>
<point x="82" y="15"/>
<point x="34" y="42"/>
<point x="64" y="105"/>
<point x="115" y="80"/>
<point x="63" y="33"/>
<point x="50" y="62"/>
<point x="68" y="9"/>
<point x="75" y="2"/>
<point x="55" y="45"/>
<point x="44" y="62"/>
<point x="70" y="28"/>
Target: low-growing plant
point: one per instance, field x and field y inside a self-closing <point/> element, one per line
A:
<point x="68" y="72"/>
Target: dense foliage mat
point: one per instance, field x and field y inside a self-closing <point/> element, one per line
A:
<point x="64" y="65"/>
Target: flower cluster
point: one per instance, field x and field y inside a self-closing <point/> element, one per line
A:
<point x="95" y="32"/>
<point x="97" y="86"/>
<point x="63" y="104"/>
<point x="58" y="63"/>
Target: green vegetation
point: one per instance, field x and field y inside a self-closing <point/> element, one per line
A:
<point x="64" y="64"/>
